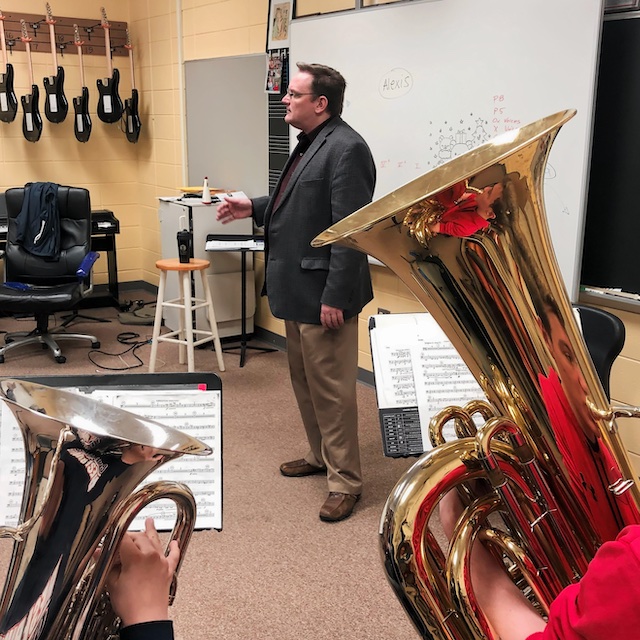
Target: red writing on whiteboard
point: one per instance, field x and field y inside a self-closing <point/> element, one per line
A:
<point x="391" y="164"/>
<point x="501" y="121"/>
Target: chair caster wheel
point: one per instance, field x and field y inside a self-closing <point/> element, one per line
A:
<point x="95" y="345"/>
<point x="1" y="359"/>
<point x="61" y="359"/>
<point x="8" y="340"/>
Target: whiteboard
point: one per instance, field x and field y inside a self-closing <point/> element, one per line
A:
<point x="427" y="81"/>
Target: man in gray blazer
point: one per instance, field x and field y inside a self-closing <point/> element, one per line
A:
<point x="319" y="292"/>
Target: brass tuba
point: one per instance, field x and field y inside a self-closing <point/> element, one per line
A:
<point x="545" y="477"/>
<point x="84" y="459"/>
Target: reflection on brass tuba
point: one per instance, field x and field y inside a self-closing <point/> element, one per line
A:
<point x="545" y="479"/>
<point x="84" y="459"/>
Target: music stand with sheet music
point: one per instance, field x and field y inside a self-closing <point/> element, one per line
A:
<point x="417" y="372"/>
<point x="174" y="399"/>
<point x="244" y="244"/>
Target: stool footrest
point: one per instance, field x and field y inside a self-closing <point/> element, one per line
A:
<point x="176" y="303"/>
<point x="170" y="337"/>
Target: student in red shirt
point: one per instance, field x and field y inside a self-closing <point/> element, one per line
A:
<point x="591" y="467"/>
<point x="466" y="209"/>
<point x="604" y="604"/>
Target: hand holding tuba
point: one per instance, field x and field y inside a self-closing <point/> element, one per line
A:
<point x="141" y="577"/>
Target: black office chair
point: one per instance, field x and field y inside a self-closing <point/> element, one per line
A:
<point x="604" y="335"/>
<point x="42" y="286"/>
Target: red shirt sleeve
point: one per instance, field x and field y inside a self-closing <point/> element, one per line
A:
<point x="605" y="604"/>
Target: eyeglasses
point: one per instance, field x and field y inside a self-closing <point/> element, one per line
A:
<point x="296" y="94"/>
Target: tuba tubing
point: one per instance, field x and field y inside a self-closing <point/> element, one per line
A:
<point x="539" y="461"/>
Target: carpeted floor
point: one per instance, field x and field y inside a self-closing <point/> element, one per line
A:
<point x="275" y="571"/>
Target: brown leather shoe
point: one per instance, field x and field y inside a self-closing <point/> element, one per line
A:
<point x="338" y="506"/>
<point x="299" y="468"/>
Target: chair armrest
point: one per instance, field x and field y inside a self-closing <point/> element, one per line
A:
<point x="87" y="264"/>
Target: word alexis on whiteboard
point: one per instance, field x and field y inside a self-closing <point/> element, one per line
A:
<point x="395" y="83"/>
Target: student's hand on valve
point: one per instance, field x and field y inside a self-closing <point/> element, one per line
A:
<point x="139" y="582"/>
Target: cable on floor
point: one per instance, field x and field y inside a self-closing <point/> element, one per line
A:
<point x="129" y="338"/>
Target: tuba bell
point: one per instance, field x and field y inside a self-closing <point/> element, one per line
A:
<point x="544" y="478"/>
<point x="84" y="460"/>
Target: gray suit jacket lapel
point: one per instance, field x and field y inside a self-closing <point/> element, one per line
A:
<point x="306" y="158"/>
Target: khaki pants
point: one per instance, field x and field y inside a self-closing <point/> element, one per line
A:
<point x="324" y="368"/>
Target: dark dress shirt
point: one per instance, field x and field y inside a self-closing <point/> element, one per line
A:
<point x="304" y="142"/>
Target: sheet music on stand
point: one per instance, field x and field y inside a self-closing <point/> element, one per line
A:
<point x="189" y="402"/>
<point x="417" y="373"/>
<point x="234" y="242"/>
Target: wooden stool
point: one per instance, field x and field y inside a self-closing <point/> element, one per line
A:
<point x="184" y="336"/>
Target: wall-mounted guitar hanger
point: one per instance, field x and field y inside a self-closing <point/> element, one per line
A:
<point x="90" y="32"/>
